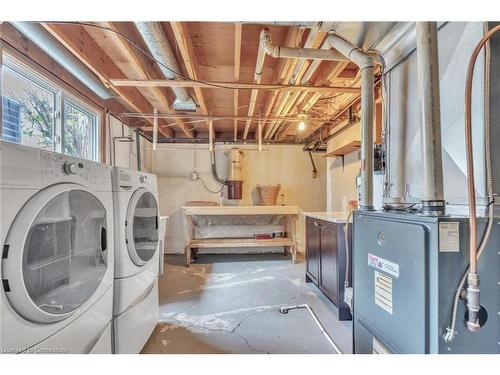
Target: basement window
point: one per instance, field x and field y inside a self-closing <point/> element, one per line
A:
<point x="38" y="113"/>
<point x="79" y="130"/>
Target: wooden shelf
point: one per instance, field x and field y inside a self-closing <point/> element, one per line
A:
<point x="241" y="210"/>
<point x="239" y="242"/>
<point x="346" y="149"/>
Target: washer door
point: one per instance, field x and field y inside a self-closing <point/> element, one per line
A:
<point x="56" y="254"/>
<point x="142" y="227"/>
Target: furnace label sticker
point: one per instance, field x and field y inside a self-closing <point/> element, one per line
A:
<point x="383" y="291"/>
<point x="449" y="237"/>
<point x="383" y="265"/>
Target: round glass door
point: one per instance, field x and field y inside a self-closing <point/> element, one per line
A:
<point x="143" y="233"/>
<point x="64" y="257"/>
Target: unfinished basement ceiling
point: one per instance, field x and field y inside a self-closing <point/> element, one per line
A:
<point x="220" y="53"/>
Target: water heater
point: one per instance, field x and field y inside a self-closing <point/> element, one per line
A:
<point x="235" y="174"/>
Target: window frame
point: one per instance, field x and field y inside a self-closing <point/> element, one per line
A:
<point x="61" y="95"/>
<point x="94" y="126"/>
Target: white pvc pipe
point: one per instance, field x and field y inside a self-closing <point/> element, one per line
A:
<point x="285" y="309"/>
<point x="428" y="79"/>
<point x="297" y="53"/>
<point x="365" y="62"/>
<point x="367" y="116"/>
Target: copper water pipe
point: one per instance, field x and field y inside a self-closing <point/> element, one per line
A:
<point x="468" y="143"/>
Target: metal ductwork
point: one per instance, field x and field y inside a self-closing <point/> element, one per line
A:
<point x="365" y="62"/>
<point x="41" y="37"/>
<point x="153" y="35"/>
<point x="428" y="84"/>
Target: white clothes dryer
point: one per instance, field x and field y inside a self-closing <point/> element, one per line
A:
<point x="57" y="253"/>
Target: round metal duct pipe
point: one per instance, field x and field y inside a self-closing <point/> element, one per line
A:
<point x="41" y="37"/>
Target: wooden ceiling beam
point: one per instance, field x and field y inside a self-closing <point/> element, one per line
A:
<point x="238" y="29"/>
<point x="230" y="85"/>
<point x="282" y="75"/>
<point x="183" y="40"/>
<point x="346" y="101"/>
<point x="145" y="72"/>
<point x="222" y="117"/>
<point x="82" y="46"/>
<point x="314" y="40"/>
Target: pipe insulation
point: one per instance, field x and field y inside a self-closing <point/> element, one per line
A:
<point x="153" y="35"/>
<point x="41" y="37"/>
<point x="428" y="85"/>
<point x="366" y="63"/>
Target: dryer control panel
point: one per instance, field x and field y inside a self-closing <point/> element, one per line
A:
<point x="58" y="168"/>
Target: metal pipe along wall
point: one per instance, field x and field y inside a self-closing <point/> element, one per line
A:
<point x="428" y="79"/>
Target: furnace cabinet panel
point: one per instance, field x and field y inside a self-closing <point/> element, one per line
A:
<point x="405" y="273"/>
<point x="326" y="260"/>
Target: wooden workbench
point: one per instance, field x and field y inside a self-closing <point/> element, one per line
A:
<point x="289" y="243"/>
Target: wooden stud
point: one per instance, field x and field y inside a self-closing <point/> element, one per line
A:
<point x="238" y="29"/>
<point x="181" y="34"/>
<point x="155" y="129"/>
<point x="259" y="134"/>
<point x="210" y="135"/>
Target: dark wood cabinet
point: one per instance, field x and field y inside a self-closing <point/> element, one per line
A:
<point x="313" y="244"/>
<point x="326" y="261"/>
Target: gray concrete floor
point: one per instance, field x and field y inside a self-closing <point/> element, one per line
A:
<point x="230" y="304"/>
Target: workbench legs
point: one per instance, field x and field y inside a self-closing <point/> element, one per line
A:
<point x="291" y="229"/>
<point x="189" y="234"/>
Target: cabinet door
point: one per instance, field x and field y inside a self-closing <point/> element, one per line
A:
<point x="312" y="251"/>
<point x="328" y="281"/>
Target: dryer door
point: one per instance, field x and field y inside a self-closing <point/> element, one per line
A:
<point x="142" y="227"/>
<point x="56" y="253"/>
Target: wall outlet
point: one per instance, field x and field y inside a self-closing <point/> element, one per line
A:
<point x="194" y="176"/>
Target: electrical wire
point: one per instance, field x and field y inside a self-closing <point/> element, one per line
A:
<point x="146" y="53"/>
<point x="143" y="51"/>
<point x="208" y="189"/>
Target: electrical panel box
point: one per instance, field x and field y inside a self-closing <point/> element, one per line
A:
<point x="406" y="269"/>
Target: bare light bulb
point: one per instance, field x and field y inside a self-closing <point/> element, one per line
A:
<point x="302" y="126"/>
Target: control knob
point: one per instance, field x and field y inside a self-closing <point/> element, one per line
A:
<point x="70" y="168"/>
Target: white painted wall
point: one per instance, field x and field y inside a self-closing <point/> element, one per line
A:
<point x="284" y="164"/>
<point x="341" y="174"/>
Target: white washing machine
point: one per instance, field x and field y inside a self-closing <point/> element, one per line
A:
<point x="57" y="253"/>
<point x="136" y="306"/>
